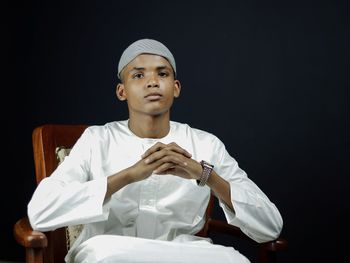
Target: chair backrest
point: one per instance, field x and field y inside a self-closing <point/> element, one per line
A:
<point x="46" y="139"/>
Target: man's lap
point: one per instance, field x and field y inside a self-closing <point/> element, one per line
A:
<point x="110" y="248"/>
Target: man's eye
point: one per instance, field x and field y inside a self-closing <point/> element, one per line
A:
<point x="137" y="76"/>
<point x="163" y="74"/>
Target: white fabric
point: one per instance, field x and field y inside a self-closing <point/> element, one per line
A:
<point x="103" y="249"/>
<point x="161" y="207"/>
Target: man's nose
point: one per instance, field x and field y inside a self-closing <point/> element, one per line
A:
<point x="153" y="82"/>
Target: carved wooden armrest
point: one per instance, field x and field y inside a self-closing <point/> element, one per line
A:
<point x="27" y="237"/>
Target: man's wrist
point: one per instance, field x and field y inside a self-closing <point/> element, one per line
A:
<point x="127" y="176"/>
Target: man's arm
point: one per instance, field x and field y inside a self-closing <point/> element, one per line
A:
<point x="221" y="188"/>
<point x="246" y="206"/>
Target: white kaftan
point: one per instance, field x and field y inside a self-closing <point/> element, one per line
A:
<point x="158" y="209"/>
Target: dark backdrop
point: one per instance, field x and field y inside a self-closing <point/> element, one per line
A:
<point x="269" y="79"/>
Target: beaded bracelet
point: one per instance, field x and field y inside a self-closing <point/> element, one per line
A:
<point x="207" y="169"/>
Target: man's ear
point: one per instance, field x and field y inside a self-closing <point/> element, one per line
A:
<point x="177" y="88"/>
<point x="120" y="92"/>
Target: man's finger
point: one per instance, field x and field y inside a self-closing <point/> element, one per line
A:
<point x="176" y="148"/>
<point x="167" y="155"/>
<point x="171" y="147"/>
<point x="164" y="167"/>
<point x="157" y="147"/>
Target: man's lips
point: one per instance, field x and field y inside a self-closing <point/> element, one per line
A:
<point x="153" y="96"/>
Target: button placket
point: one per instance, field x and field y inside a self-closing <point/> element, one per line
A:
<point x="148" y="193"/>
<point x="147" y="218"/>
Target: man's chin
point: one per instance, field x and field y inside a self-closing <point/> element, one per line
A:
<point x="157" y="110"/>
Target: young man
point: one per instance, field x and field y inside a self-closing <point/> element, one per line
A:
<point x="141" y="186"/>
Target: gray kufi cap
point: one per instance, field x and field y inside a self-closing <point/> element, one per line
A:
<point x="145" y="46"/>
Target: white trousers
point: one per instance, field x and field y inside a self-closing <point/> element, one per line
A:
<point x="123" y="249"/>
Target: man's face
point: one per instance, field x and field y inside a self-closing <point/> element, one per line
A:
<point x="148" y="85"/>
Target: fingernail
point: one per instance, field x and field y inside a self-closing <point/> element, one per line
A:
<point x="185" y="163"/>
<point x="147" y="161"/>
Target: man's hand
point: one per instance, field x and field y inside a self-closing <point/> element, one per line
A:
<point x="172" y="159"/>
<point x="160" y="159"/>
<point x="168" y="159"/>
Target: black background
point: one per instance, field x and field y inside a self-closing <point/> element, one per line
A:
<point x="269" y="79"/>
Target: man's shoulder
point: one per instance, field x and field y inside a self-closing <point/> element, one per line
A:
<point x="107" y="127"/>
<point x="194" y="131"/>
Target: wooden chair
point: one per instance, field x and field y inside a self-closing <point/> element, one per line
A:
<point x="50" y="247"/>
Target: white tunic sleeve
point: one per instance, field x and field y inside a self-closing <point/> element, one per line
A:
<point x="253" y="213"/>
<point x="70" y="196"/>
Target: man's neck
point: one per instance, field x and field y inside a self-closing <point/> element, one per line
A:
<point x="150" y="126"/>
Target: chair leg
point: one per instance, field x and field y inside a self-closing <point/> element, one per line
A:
<point x="266" y="256"/>
<point x="34" y="255"/>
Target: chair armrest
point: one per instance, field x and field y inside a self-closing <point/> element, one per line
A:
<point x="27" y="237"/>
<point x="275" y="245"/>
<point x="225" y="228"/>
